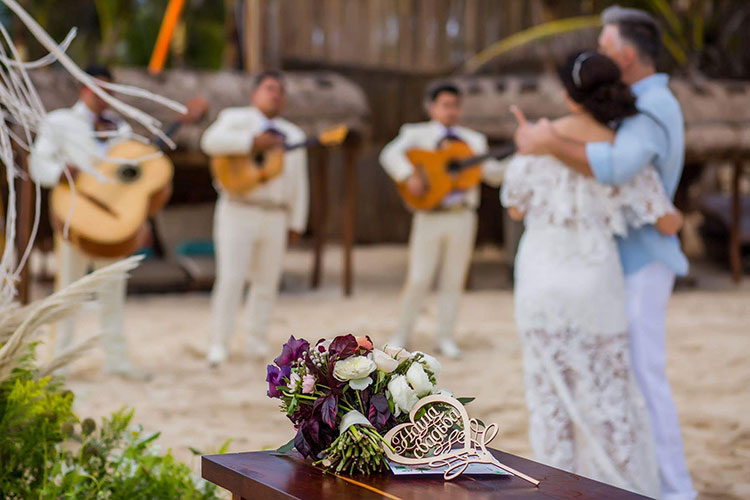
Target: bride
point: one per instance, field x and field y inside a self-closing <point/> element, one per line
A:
<point x="586" y="414"/>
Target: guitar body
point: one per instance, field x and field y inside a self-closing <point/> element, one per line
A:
<point x="109" y="219"/>
<point x="434" y="167"/>
<point x="240" y="174"/>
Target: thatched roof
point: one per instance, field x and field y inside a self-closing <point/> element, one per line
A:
<point x="717" y="113"/>
<point x="315" y="100"/>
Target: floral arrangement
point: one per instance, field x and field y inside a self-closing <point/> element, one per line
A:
<point x="343" y="395"/>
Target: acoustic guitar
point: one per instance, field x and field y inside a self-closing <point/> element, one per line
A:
<point x="110" y="219"/>
<point x="451" y="168"/>
<point x="240" y="174"/>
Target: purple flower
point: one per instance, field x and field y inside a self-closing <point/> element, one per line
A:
<point x="275" y="377"/>
<point x="292" y="351"/>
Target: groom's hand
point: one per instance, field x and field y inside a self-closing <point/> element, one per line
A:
<point x="532" y="138"/>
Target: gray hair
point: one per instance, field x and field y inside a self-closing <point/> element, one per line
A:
<point x="636" y="27"/>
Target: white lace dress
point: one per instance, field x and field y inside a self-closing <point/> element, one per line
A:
<point x="586" y="413"/>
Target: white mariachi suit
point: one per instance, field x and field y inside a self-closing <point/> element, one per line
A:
<point x="448" y="231"/>
<point x="250" y="232"/>
<point x="46" y="164"/>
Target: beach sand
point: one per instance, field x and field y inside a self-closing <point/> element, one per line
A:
<point x="194" y="406"/>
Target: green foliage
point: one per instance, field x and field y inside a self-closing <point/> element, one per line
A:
<point x="33" y="414"/>
<point x="46" y="453"/>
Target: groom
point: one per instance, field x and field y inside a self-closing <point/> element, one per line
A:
<point x="655" y="136"/>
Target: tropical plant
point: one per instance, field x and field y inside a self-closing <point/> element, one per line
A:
<point x="46" y="451"/>
<point x="703" y="36"/>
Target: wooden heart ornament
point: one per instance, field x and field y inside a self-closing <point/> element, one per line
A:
<point x="441" y="434"/>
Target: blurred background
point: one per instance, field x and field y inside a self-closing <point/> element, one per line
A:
<point x="368" y="62"/>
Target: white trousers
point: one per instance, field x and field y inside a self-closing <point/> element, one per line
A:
<point x="250" y="244"/>
<point x="73" y="265"/>
<point x="648" y="291"/>
<point x="449" y="235"/>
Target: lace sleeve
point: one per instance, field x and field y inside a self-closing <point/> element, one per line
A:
<point x="517" y="191"/>
<point x="643" y="200"/>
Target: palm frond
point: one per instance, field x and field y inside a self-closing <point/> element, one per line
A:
<point x="537" y="32"/>
<point x="67" y="356"/>
<point x="56" y="307"/>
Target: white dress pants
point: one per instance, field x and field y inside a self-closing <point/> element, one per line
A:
<point x="73" y="265"/>
<point x="250" y="244"/>
<point x="435" y="235"/>
<point x="648" y="291"/>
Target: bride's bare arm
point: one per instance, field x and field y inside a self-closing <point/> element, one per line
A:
<point x="516" y="214"/>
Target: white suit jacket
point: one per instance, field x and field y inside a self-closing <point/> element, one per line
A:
<point x="232" y="134"/>
<point x="66" y="137"/>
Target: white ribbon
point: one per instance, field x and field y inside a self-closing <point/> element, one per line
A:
<point x="353" y="418"/>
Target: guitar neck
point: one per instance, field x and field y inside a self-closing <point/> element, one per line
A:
<point x="497" y="153"/>
<point x="307" y="143"/>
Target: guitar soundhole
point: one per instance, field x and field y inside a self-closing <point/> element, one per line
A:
<point x="259" y="158"/>
<point x="453" y="166"/>
<point x="129" y="173"/>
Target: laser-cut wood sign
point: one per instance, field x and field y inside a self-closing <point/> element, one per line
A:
<point x="441" y="434"/>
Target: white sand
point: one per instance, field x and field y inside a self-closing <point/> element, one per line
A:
<point x="709" y="364"/>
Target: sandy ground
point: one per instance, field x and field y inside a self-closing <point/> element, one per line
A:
<point x="708" y="342"/>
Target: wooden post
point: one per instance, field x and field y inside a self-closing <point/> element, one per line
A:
<point x="24" y="221"/>
<point x="735" y="255"/>
<point x="350" y="215"/>
<point x="320" y="212"/>
<point x="253" y="41"/>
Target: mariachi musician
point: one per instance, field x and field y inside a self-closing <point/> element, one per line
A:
<point x="90" y="114"/>
<point x="445" y="232"/>
<point x="251" y="229"/>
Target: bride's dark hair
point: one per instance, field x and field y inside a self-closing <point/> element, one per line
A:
<point x="593" y="80"/>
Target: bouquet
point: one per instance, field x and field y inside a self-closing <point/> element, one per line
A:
<point x="343" y="395"/>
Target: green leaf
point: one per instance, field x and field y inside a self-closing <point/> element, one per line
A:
<point x="544" y="30"/>
<point x="292" y="406"/>
<point x="465" y="401"/>
<point x="286" y="448"/>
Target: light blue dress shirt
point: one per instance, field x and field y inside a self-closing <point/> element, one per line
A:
<point x="656" y="136"/>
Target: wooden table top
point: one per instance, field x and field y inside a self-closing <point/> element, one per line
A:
<point x="265" y="475"/>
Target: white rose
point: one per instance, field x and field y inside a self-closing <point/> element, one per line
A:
<point x="418" y="379"/>
<point x="383" y="361"/>
<point x="356" y="367"/>
<point x="431" y="363"/>
<point x="403" y="396"/>
<point x="396" y="352"/>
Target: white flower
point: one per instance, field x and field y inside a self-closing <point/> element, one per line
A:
<point x="356" y="367"/>
<point x="360" y="384"/>
<point x="383" y="361"/>
<point x="294" y="381"/>
<point x="396" y="352"/>
<point x="418" y="379"/>
<point x="403" y="396"/>
<point x="430" y="363"/>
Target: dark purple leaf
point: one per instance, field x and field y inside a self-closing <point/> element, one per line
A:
<point x="378" y="413"/>
<point x="342" y="347"/>
<point x="302" y="445"/>
<point x="329" y="408"/>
